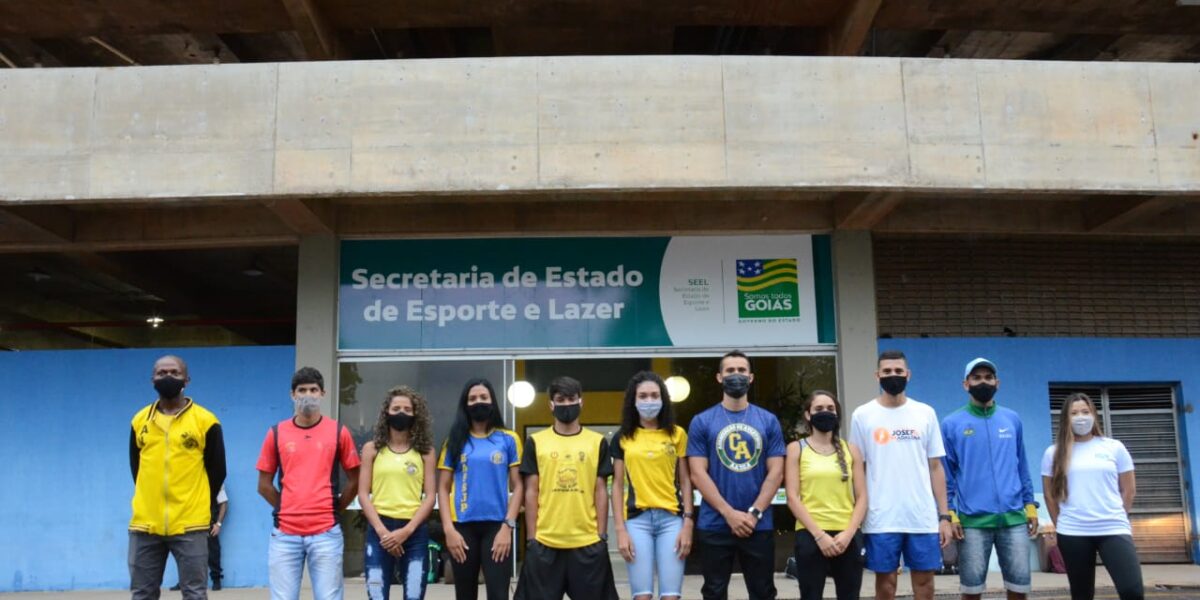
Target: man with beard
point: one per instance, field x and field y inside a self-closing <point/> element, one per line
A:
<point x="735" y="453"/>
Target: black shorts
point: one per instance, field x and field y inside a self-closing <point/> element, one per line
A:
<point x="581" y="573"/>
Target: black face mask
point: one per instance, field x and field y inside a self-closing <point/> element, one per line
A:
<point x="893" y="384"/>
<point x="825" y="421"/>
<point x="567" y="413"/>
<point x="735" y="385"/>
<point x="479" y="412"/>
<point x="400" y="421"/>
<point x="982" y="392"/>
<point x="168" y="387"/>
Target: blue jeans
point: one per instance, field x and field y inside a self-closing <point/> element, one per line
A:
<point x="975" y="552"/>
<point x="653" y="534"/>
<point x="287" y="554"/>
<point x="409" y="569"/>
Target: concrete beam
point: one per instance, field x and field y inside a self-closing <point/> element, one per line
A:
<point x="864" y="211"/>
<point x="319" y="37"/>
<point x="304" y="217"/>
<point x="581" y="124"/>
<point x="847" y="33"/>
<point x="1114" y="214"/>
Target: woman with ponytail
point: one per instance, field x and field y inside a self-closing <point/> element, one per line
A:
<point x="1089" y="487"/>
<point x="827" y="492"/>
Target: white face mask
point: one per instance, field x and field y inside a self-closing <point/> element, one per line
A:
<point x="308" y="404"/>
<point x="649" y="409"/>
<point x="1082" y="425"/>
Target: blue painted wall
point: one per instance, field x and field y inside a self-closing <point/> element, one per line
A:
<point x="1027" y="367"/>
<point x="66" y="487"/>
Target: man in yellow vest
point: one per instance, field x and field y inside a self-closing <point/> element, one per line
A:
<point x="177" y="459"/>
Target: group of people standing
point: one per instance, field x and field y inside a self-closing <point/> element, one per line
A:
<point x="902" y="487"/>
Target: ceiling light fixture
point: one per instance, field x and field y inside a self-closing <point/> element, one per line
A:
<point x="155" y="321"/>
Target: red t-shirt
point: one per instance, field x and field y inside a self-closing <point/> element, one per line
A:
<point x="307" y="505"/>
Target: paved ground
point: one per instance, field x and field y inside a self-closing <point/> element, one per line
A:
<point x="1163" y="582"/>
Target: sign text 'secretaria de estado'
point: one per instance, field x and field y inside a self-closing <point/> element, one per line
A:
<point x="553" y="277"/>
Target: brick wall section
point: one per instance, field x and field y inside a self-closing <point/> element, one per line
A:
<point x="934" y="287"/>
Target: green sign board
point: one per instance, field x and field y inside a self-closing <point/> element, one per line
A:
<point x="637" y="292"/>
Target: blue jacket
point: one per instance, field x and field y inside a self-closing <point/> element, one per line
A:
<point x="986" y="469"/>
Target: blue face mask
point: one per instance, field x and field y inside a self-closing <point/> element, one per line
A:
<point x="650" y="409"/>
<point x="735" y="385"/>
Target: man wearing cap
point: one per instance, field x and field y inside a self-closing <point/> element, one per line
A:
<point x="988" y="486"/>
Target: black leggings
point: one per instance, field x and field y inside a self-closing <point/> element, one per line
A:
<point x="812" y="567"/>
<point x="479" y="536"/>
<point x="1119" y="556"/>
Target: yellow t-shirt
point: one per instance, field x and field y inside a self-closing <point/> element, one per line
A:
<point x="397" y="483"/>
<point x="828" y="499"/>
<point x="567" y="467"/>
<point x="651" y="458"/>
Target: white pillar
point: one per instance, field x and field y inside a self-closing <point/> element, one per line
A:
<point x="857" y="329"/>
<point x="316" y="311"/>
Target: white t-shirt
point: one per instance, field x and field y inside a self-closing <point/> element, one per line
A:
<point x="1093" y="505"/>
<point x="897" y="444"/>
<point x="221" y="497"/>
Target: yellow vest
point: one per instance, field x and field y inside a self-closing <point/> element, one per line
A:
<point x="828" y="498"/>
<point x="397" y="483"/>
<point x="171" y="495"/>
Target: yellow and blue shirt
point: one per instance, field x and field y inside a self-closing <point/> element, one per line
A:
<point x="480" y="488"/>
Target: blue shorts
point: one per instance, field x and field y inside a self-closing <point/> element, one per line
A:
<point x="922" y="551"/>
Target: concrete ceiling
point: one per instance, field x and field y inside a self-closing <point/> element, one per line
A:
<point x="122" y="32"/>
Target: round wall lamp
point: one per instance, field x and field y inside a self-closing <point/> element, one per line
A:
<point x="678" y="387"/>
<point x="520" y="394"/>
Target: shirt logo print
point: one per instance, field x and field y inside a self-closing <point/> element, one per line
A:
<point x="739" y="447"/>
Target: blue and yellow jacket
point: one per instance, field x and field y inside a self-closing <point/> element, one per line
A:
<point x="178" y="465"/>
<point x="987" y="474"/>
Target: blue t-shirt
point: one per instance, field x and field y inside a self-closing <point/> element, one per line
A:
<point x="737" y="446"/>
<point x="480" y="488"/>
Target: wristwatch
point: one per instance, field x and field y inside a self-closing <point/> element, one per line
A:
<point x="945" y="518"/>
<point x="512" y="523"/>
<point x="754" y="512"/>
<point x="688" y="515"/>
<point x="604" y="537"/>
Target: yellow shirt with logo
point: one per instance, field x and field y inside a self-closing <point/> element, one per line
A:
<point x="651" y="457"/>
<point x="397" y="483"/>
<point x="567" y="467"/>
<point x="828" y="498"/>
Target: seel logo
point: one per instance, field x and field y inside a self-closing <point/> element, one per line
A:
<point x="768" y="288"/>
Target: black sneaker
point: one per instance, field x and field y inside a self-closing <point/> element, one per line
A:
<point x="789" y="569"/>
<point x="216" y="587"/>
<point x="175" y="588"/>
